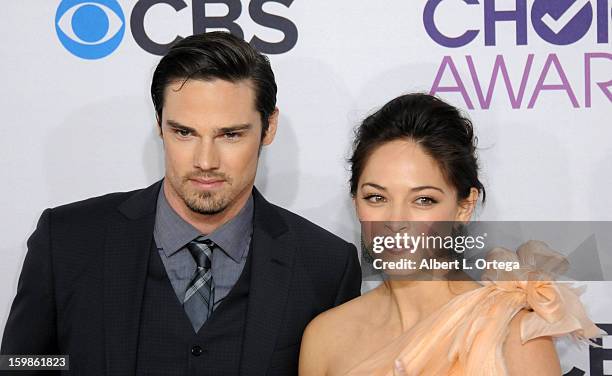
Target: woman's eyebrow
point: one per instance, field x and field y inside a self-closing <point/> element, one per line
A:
<point x="374" y="185"/>
<point x="423" y="187"/>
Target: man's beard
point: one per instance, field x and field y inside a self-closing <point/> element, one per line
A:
<point x="207" y="203"/>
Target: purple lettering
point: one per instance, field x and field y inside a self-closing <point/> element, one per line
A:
<point x="447" y="61"/>
<point x="519" y="16"/>
<point x="587" y="77"/>
<point x="500" y="65"/>
<point x="437" y="36"/>
<point x="551" y="60"/>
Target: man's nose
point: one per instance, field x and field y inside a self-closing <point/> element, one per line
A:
<point x="207" y="155"/>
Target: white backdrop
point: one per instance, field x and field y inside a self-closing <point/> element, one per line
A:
<point x="75" y="128"/>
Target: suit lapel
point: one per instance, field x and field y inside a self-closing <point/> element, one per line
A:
<point x="126" y="255"/>
<point x="272" y="264"/>
<point x="127" y="247"/>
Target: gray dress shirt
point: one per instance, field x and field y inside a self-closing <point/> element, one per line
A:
<point x="232" y="240"/>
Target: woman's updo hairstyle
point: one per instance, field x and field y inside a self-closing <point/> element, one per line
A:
<point x="437" y="127"/>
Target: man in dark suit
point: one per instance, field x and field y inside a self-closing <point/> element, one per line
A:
<point x="197" y="274"/>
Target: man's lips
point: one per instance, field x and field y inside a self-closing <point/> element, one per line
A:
<point x="207" y="183"/>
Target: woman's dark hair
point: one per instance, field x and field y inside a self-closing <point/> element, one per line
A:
<point x="216" y="55"/>
<point x="436" y="126"/>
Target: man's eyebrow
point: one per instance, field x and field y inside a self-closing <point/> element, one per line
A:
<point x="223" y="130"/>
<point x="177" y="125"/>
<point x="234" y="128"/>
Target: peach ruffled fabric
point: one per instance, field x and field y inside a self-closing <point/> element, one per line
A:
<point x="466" y="336"/>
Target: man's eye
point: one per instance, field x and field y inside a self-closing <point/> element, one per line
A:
<point x="425" y="201"/>
<point x="183" y="132"/>
<point x="375" y="199"/>
<point x="232" y="135"/>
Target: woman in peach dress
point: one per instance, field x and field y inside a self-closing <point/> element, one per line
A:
<point x="414" y="160"/>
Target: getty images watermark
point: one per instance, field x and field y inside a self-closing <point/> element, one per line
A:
<point x="486" y="250"/>
<point x="404" y="242"/>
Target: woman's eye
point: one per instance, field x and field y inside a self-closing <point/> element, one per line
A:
<point x="375" y="199"/>
<point x="425" y="201"/>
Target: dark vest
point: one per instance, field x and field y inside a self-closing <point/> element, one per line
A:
<point x="167" y="344"/>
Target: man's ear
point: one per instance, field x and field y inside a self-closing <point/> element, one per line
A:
<point x="272" y="125"/>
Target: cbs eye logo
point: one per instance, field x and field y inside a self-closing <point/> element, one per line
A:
<point x="90" y="29"/>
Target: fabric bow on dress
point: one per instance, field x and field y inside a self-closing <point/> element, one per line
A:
<point x="466" y="335"/>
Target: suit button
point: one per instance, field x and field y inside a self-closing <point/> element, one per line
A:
<point x="196" y="350"/>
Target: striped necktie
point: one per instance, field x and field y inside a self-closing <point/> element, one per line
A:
<point x="199" y="298"/>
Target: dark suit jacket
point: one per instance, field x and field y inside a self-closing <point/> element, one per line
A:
<point x="81" y="286"/>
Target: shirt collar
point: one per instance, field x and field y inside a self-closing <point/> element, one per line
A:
<point x="174" y="232"/>
<point x="234" y="236"/>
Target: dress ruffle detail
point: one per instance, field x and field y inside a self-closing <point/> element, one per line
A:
<point x="466" y="335"/>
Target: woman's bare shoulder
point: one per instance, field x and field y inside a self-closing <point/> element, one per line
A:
<point x="347" y="315"/>
<point x="332" y="331"/>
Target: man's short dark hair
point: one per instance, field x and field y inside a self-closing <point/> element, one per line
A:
<point x="216" y="55"/>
